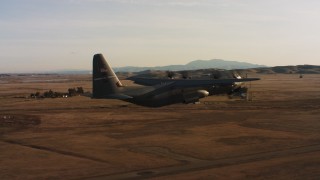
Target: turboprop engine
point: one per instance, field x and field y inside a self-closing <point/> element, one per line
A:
<point x="194" y="96"/>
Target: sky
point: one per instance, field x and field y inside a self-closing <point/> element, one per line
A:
<point x="45" y="35"/>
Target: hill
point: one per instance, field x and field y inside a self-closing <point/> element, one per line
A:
<point x="197" y="64"/>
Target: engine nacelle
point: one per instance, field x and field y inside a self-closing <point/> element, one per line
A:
<point x="194" y="96"/>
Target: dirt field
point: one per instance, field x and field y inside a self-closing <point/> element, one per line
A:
<point x="274" y="136"/>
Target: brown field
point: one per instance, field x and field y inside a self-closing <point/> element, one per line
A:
<point x="274" y="136"/>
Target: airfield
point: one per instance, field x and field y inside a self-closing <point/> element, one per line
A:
<point x="274" y="135"/>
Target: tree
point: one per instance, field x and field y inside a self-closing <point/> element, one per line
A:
<point x="72" y="91"/>
<point x="80" y="90"/>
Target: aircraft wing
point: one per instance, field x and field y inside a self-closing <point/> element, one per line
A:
<point x="209" y="82"/>
<point x="189" y="82"/>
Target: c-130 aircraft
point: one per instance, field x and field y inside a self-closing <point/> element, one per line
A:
<point x="106" y="85"/>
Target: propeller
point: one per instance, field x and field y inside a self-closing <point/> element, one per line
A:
<point x="236" y="75"/>
<point x="216" y="75"/>
<point x="171" y="74"/>
<point x="185" y="75"/>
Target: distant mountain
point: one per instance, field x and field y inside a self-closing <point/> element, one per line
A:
<point x="197" y="64"/>
<point x="221" y="64"/>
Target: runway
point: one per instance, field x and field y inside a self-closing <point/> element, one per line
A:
<point x="276" y="135"/>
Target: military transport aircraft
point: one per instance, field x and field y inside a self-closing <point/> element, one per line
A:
<point x="106" y="85"/>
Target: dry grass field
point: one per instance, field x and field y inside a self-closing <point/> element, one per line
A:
<point x="274" y="136"/>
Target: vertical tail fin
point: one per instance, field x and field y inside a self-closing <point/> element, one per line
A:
<point x="105" y="83"/>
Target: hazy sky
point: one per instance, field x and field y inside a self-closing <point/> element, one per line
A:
<point x="65" y="34"/>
